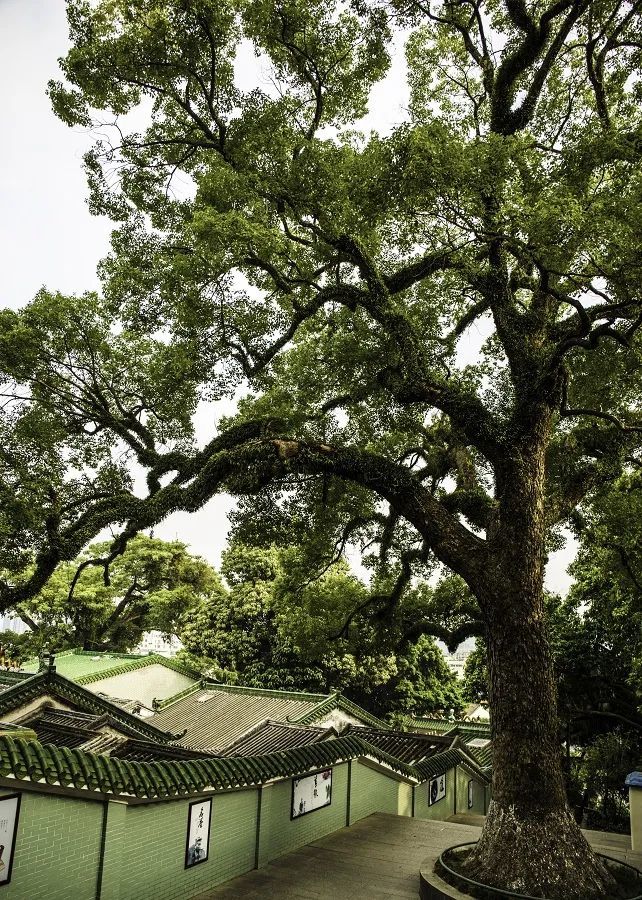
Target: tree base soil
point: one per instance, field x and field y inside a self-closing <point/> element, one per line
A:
<point x="627" y="881"/>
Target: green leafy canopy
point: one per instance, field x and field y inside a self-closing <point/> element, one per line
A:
<point x="266" y="249"/>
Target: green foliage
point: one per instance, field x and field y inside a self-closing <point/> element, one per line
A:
<point x="600" y="774"/>
<point x="14" y="648"/>
<point x="475" y="680"/>
<point x="269" y="629"/>
<point x="268" y="249"/>
<point x="607" y="592"/>
<point x="153" y="585"/>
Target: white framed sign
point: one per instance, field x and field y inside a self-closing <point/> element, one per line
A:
<point x="197" y="846"/>
<point x="310" y="793"/>
<point x="436" y="789"/>
<point x="471" y="795"/>
<point x="9" y="814"/>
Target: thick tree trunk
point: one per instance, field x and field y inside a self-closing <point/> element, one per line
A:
<point x="530" y="843"/>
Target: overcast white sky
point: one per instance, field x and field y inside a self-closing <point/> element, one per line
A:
<point x="48" y="237"/>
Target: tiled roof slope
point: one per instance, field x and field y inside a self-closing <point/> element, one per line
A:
<point x="52" y="684"/>
<point x="404" y="745"/>
<point x="462" y="727"/>
<point x="268" y="737"/>
<point x="9" y="677"/>
<point x="147" y="684"/>
<point x="139" y="751"/>
<point x="95" y="733"/>
<point x="482" y="755"/>
<point x="86" y="667"/>
<point x="62" y="728"/>
<point x="215" y="715"/>
<point x="124" y="668"/>
<point x="338" y="701"/>
<point x="76" y="663"/>
<point x="29" y="760"/>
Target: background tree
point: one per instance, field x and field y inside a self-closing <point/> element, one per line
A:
<point x="332" y="276"/>
<point x="475" y="685"/>
<point x="599" y="775"/>
<point x="599" y="649"/>
<point x="154" y="584"/>
<point x="608" y="590"/>
<point x="15" y="648"/>
<point x="271" y="629"/>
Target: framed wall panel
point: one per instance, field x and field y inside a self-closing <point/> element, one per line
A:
<point x="197" y="845"/>
<point x="436" y="789"/>
<point x="9" y="815"/>
<point x="311" y="793"/>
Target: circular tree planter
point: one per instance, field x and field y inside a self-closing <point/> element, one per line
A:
<point x="439" y="880"/>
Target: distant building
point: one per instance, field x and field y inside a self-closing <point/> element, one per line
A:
<point x="156" y="642"/>
<point x="13" y="623"/>
<point x="456" y="661"/>
<point x="477" y="712"/>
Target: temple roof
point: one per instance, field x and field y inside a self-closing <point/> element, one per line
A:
<point x="133" y="677"/>
<point x="407" y="746"/>
<point x="216" y="715"/>
<point x="270" y="736"/>
<point x="29" y="760"/>
<point x="32" y="693"/>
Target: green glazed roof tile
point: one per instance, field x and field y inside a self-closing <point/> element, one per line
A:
<point x="339" y="701"/>
<point x="217" y="715"/>
<point x="46" y="683"/>
<point x="448" y="726"/>
<point x="30" y="760"/>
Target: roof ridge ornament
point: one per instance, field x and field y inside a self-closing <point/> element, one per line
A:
<point x="47" y="661"/>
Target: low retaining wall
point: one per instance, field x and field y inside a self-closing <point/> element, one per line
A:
<point x="94" y="847"/>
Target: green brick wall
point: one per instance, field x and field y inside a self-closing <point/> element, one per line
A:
<point x="440" y="810"/>
<point x="115" y="842"/>
<point x="57" y="849"/>
<point x="59" y="838"/>
<point x="371" y="792"/>
<point x="462" y="794"/>
<point x="153" y="853"/>
<point x="280" y="834"/>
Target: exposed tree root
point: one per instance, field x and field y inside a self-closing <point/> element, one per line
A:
<point x="543" y="856"/>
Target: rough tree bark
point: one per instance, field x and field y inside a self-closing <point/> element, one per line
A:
<point x="530" y="842"/>
<point x="530" y="836"/>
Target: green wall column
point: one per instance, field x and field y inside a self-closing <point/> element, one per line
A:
<point x="262" y="856"/>
<point x="115" y="832"/>
<point x="348" y="790"/>
<point x="404" y="802"/>
<point x="257" y="849"/>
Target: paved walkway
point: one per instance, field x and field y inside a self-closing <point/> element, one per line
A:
<point x="377" y="858"/>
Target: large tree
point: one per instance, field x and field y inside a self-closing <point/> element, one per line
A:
<point x="265" y="242"/>
<point x="595" y="642"/>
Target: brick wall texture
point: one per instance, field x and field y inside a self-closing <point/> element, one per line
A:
<point x="58" y="846"/>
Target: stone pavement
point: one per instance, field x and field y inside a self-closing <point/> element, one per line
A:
<point x="377" y="858"/>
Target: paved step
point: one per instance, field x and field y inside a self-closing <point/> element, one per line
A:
<point x="377" y="858"/>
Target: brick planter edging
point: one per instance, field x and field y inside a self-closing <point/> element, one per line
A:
<point x="433" y="887"/>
